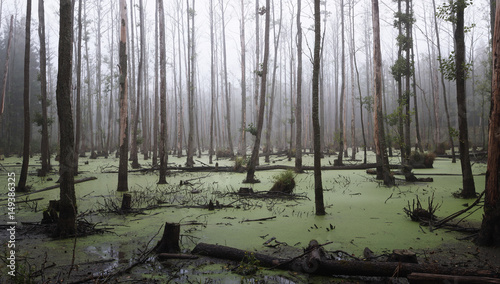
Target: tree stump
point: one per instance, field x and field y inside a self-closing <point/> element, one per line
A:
<point x="126" y="201"/>
<point x="169" y="243"/>
<point x="50" y="215"/>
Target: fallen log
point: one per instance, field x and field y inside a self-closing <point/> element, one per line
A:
<point x="176" y="256"/>
<point x="439" y="278"/>
<point x="340" y="267"/>
<point x="54" y="186"/>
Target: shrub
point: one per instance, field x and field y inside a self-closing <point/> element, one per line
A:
<point x="441" y="148"/>
<point x="239" y="163"/>
<point x="422" y="160"/>
<point x="429" y="159"/>
<point x="283" y="182"/>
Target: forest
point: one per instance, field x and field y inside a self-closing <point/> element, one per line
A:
<point x="270" y="141"/>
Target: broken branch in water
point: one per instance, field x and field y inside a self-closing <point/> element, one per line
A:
<point x="256" y="220"/>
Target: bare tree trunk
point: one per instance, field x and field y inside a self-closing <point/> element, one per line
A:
<point x="318" y="184"/>
<point x="123" y="164"/>
<point x="111" y="83"/>
<point x="180" y="112"/>
<point x="43" y="94"/>
<point x="21" y="186"/>
<point x="163" y="97"/>
<point x="190" y="85"/>
<point x="341" y="108"/>
<point x="243" y="145"/>
<point x="157" y="99"/>
<point x="212" y="84"/>
<point x="469" y="190"/>
<point x="260" y="122"/>
<point x="298" y="111"/>
<point x="490" y="231"/>
<point x="226" y="84"/>
<point x="99" y="128"/>
<point x="353" y="92"/>
<point x="89" y="92"/>
<point x="257" y="62"/>
<point x="66" y="225"/>
<point x="361" y="109"/>
<point x="273" y="84"/>
<point x="382" y="160"/>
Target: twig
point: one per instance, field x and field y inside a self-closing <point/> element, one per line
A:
<point x="458" y="213"/>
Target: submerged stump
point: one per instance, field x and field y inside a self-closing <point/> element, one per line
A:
<point x="169" y="243"/>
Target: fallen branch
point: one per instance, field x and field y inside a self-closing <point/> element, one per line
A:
<point x="256" y="220"/>
<point x="53" y="187"/>
<point x="428" y="277"/>
<point x="443" y="222"/>
<point x="176" y="256"/>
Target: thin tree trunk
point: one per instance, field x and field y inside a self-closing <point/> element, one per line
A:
<point x="21" y="186"/>
<point x="99" y="128"/>
<point x="123" y="164"/>
<point x="341" y="108"/>
<point x="250" y="178"/>
<point x="43" y="83"/>
<point x="163" y="97"/>
<point x="212" y="84"/>
<point x="89" y="92"/>
<point x="469" y="190"/>
<point x="226" y="84"/>
<point x="298" y="111"/>
<point x="157" y="99"/>
<point x="353" y="92"/>
<point x="318" y="184"/>
<point x="111" y="83"/>
<point x="66" y="225"/>
<point x="243" y="146"/>
<point x="190" y="85"/>
<point x="361" y="109"/>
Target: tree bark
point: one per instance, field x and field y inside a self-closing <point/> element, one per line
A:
<point x="298" y="111"/>
<point x="67" y="211"/>
<point x="318" y="183"/>
<point x="383" y="172"/>
<point x="43" y="92"/>
<point x="123" y="164"/>
<point x="190" y="85"/>
<point x="212" y="84"/>
<point x="341" y="109"/>
<point x="243" y="145"/>
<point x="6" y="69"/>
<point x="490" y="228"/>
<point x="250" y="178"/>
<point x="226" y="83"/>
<point x="163" y="98"/>
<point x="78" y="87"/>
<point x="21" y="186"/>
<point x="469" y="190"/>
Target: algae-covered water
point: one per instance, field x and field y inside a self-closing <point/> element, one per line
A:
<point x="360" y="211"/>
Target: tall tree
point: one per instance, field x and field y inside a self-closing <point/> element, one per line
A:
<point x="341" y="108"/>
<point x="67" y="205"/>
<point x="298" y="111"/>
<point x="260" y="121"/>
<point x="78" y="115"/>
<point x="157" y="99"/>
<point x="318" y="184"/>
<point x="383" y="172"/>
<point x="43" y="92"/>
<point x="490" y="231"/>
<point x="134" y="103"/>
<point x="273" y="81"/>
<point x="123" y="164"/>
<point x="163" y="97"/>
<point x="468" y="190"/>
<point x="191" y="84"/>
<point x="21" y="186"/>
<point x="242" y="149"/>
<point x="226" y="83"/>
<point x="212" y="83"/>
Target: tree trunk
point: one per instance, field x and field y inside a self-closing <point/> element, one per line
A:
<point x="469" y="190"/>
<point x="157" y="99"/>
<point x="226" y="84"/>
<point x="490" y="229"/>
<point x="78" y="88"/>
<point x="298" y="111"/>
<point x="99" y="129"/>
<point x="43" y="92"/>
<point x="123" y="164"/>
<point x="21" y="186"/>
<point x="341" y="108"/>
<point x="383" y="172"/>
<point x="190" y="85"/>
<point x="109" y="137"/>
<point x="89" y="91"/>
<point x="243" y="145"/>
<point x="353" y="92"/>
<point x="163" y="97"/>
<point x="318" y="184"/>
<point x="212" y="84"/>
<point x="67" y="206"/>
<point x="273" y="84"/>
<point x="250" y="178"/>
